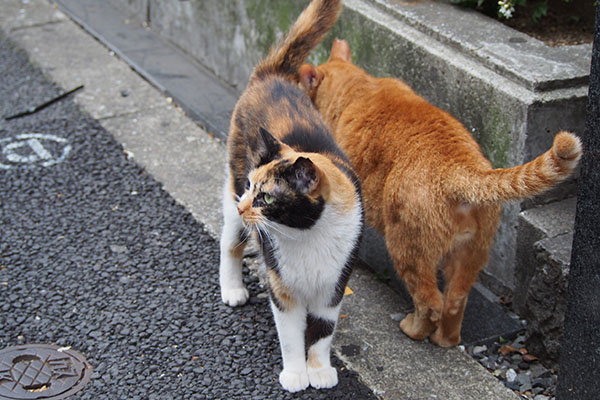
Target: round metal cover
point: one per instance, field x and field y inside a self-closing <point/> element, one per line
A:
<point x="41" y="371"/>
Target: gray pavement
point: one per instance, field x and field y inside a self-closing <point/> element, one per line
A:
<point x="188" y="163"/>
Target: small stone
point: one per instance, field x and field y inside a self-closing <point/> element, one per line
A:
<point x="118" y="248"/>
<point x="525" y="389"/>
<point x="539" y="371"/>
<point x="397" y="316"/>
<point x="516" y="358"/>
<point x="514" y="385"/>
<point x="511" y="375"/>
<point x="479" y="349"/>
<point x="524" y="382"/>
<point x="489" y="364"/>
<point x="537" y="390"/>
<point x="523" y="366"/>
<point x="541" y="382"/>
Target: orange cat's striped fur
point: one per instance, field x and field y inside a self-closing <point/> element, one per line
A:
<point x="426" y="185"/>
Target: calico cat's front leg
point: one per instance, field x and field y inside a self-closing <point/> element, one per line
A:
<point x="291" y="323"/>
<point x="233" y="242"/>
<point x="320" y="326"/>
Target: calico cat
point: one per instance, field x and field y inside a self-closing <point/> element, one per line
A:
<point x="291" y="186"/>
<point x="426" y="185"/>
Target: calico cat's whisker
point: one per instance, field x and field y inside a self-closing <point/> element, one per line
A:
<point x="265" y="231"/>
<point x="241" y="242"/>
<point x="256" y="226"/>
<point x="274" y="227"/>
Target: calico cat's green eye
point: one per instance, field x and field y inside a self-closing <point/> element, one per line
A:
<point x="268" y="198"/>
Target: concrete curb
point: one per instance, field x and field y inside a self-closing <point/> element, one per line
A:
<point x="189" y="163"/>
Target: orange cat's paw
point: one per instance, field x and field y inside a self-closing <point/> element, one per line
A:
<point x="415" y="328"/>
<point x="438" y="338"/>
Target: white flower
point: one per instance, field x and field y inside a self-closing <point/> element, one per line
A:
<point x="506" y="8"/>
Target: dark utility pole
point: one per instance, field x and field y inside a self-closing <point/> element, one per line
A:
<point x="579" y="375"/>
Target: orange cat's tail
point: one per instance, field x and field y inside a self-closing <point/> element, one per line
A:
<point x="530" y="179"/>
<point x="304" y="35"/>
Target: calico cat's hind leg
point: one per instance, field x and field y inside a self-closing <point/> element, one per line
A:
<point x="320" y="325"/>
<point x="233" y="242"/>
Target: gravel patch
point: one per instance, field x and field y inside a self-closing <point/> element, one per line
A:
<point x="511" y="363"/>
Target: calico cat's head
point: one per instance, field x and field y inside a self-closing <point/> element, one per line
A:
<point x="287" y="187"/>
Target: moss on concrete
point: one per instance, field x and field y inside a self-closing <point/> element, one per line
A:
<point x="270" y="19"/>
<point x="496" y="139"/>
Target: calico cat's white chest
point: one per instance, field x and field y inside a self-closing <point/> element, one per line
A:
<point x="310" y="261"/>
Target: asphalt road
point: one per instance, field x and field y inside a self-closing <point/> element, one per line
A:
<point x="95" y="255"/>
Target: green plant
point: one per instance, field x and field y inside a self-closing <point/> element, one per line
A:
<point x="540" y="10"/>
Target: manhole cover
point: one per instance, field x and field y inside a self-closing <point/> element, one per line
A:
<point x="41" y="371"/>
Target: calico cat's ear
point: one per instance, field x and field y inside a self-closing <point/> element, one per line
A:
<point x="310" y="77"/>
<point x="269" y="146"/>
<point x="303" y="175"/>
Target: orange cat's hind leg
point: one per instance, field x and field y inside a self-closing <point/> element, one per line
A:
<point x="461" y="269"/>
<point x="421" y="283"/>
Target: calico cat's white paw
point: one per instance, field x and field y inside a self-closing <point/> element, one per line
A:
<point x="293" y="381"/>
<point x="235" y="297"/>
<point x="323" y="378"/>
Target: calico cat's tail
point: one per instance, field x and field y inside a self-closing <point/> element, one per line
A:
<point x="303" y="36"/>
<point x="499" y="185"/>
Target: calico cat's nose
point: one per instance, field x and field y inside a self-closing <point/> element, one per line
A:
<point x="244" y="204"/>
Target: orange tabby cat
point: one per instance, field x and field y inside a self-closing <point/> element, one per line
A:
<point x="426" y="185"/>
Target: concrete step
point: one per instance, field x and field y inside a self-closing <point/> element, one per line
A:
<point x="544" y="252"/>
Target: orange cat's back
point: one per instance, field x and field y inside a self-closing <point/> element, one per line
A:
<point x="382" y="121"/>
<point x="393" y="137"/>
